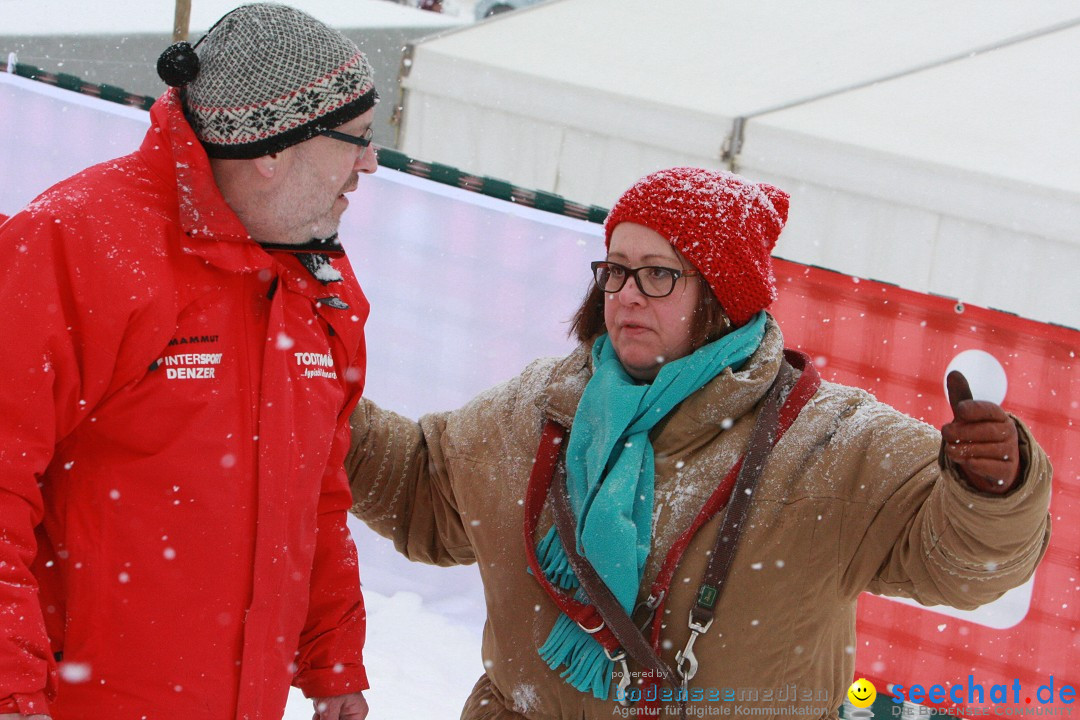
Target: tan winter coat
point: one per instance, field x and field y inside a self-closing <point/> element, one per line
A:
<point x="852" y="499"/>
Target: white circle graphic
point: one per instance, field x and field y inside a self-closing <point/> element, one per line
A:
<point x="984" y="374"/>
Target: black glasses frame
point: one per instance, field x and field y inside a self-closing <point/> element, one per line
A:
<point x="361" y="141"/>
<point x="598" y="265"/>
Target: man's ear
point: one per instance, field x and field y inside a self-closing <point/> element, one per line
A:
<point x="268" y="165"/>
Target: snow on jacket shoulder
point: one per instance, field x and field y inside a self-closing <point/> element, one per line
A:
<point x="851" y="499"/>
<point x="174" y="415"/>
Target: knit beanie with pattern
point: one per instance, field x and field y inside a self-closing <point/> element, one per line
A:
<point x="725" y="225"/>
<point x="266" y="77"/>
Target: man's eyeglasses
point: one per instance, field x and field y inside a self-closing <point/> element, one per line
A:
<point x="361" y="141"/>
<point x="653" y="281"/>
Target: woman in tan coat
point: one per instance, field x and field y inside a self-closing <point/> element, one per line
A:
<point x="743" y="573"/>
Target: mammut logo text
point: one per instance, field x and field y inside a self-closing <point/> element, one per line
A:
<point x="193" y="339"/>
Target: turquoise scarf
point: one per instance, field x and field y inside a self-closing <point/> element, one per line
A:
<point x="610" y="476"/>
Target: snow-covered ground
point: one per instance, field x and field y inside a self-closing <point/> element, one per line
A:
<point x="423" y="635"/>
<point x="419" y="663"/>
<point x="416" y="659"/>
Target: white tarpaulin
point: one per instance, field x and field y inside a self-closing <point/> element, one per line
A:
<point x="920" y="140"/>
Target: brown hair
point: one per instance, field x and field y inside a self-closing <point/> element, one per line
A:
<point x="709" y="322"/>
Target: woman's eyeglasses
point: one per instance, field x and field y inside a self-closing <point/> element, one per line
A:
<point x="653" y="281"/>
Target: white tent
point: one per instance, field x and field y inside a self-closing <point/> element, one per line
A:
<point x="925" y="144"/>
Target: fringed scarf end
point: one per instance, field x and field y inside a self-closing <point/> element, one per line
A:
<point x="587" y="666"/>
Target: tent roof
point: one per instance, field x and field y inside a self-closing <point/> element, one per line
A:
<point x="1017" y="111"/>
<point x="63" y="17"/>
<point x="925" y="142"/>
<point x="981" y="87"/>
<point x="972" y="92"/>
<point x="1001" y="122"/>
<point x="731" y="58"/>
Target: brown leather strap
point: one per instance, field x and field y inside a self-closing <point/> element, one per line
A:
<point x="762" y="437"/>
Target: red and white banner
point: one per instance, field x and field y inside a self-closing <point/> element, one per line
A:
<point x="900" y="345"/>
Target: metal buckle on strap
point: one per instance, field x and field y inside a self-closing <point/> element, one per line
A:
<point x="592" y="631"/>
<point x="619" y="656"/>
<point x="687" y="666"/>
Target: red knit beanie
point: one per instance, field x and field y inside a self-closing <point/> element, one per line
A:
<point x="724" y="224"/>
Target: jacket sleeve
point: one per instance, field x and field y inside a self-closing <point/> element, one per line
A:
<point x="402" y="487"/>
<point x="330" y="658"/>
<point x="927" y="534"/>
<point x="62" y="333"/>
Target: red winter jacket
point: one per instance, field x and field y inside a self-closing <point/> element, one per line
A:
<point x="173" y="418"/>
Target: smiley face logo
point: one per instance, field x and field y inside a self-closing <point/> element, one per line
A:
<point x="862" y="693"/>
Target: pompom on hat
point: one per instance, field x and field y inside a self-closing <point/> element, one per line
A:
<point x="266" y="77"/>
<point x="724" y="224"/>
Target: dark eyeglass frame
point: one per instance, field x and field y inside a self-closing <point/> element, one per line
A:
<point x="361" y="141"/>
<point x="598" y="265"/>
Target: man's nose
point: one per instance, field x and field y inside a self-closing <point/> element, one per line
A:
<point x="368" y="162"/>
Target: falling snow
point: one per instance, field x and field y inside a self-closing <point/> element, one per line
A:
<point x="75" y="672"/>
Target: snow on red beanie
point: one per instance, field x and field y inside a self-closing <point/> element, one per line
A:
<point x="724" y="224"/>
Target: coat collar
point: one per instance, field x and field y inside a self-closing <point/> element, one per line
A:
<point x="559" y="400"/>
<point x="212" y="231"/>
<point x="725" y="398"/>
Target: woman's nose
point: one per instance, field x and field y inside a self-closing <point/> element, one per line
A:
<point x="630" y="293"/>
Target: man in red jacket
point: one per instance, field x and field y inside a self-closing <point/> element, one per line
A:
<point x="183" y="347"/>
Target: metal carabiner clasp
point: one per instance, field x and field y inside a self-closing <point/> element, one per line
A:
<point x="686" y="657"/>
<point x="624" y="682"/>
<point x="650" y="603"/>
<point x="687" y="662"/>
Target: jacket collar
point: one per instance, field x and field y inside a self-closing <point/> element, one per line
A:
<point x="731" y="395"/>
<point x="725" y="398"/>
<point x="212" y="231"/>
<point x="559" y="400"/>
